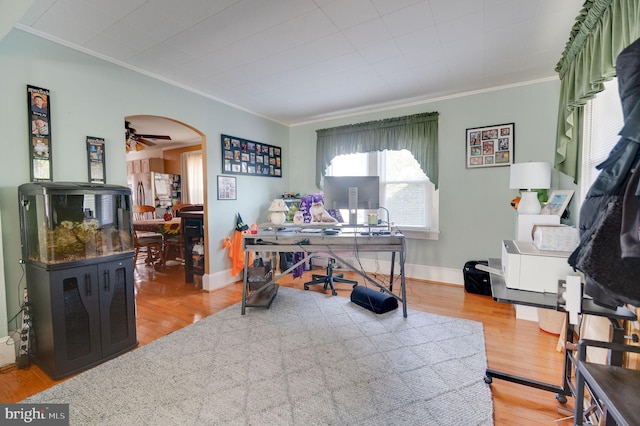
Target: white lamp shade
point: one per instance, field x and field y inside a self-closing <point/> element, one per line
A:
<point x="531" y="175"/>
<point x="278" y="205"/>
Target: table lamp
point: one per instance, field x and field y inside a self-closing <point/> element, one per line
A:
<point x="278" y="208"/>
<point x="530" y="175"/>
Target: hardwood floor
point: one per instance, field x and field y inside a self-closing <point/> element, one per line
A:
<point x="165" y="303"/>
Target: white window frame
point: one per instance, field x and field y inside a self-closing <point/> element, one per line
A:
<point x="602" y="122"/>
<point x="376" y="165"/>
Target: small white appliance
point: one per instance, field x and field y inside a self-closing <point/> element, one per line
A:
<point x="527" y="268"/>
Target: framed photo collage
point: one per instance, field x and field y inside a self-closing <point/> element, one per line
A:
<point x="245" y="157"/>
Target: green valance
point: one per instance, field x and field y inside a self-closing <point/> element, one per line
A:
<point x="416" y="133"/>
<point x="602" y="30"/>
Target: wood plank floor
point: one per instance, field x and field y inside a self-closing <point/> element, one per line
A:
<point x="165" y="303"/>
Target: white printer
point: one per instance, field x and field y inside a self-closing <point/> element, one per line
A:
<point x="527" y="268"/>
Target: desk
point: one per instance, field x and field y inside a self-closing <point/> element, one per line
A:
<point x="347" y="241"/>
<point x="501" y="293"/>
<point x="159" y="226"/>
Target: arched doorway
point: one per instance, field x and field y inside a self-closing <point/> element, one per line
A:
<point x="153" y="140"/>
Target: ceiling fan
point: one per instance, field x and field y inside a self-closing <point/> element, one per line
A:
<point x="137" y="142"/>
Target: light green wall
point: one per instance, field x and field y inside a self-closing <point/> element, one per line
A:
<point x="475" y="214"/>
<point x="91" y="97"/>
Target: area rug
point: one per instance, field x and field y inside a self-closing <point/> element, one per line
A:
<point x="310" y="359"/>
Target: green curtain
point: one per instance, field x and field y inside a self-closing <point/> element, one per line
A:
<point x="602" y="30"/>
<point x="416" y="133"/>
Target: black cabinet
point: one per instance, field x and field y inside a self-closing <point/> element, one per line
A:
<point x="77" y="246"/>
<point x="82" y="315"/>
<point x="193" y="236"/>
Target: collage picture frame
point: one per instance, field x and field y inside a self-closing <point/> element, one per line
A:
<point x="39" y="114"/>
<point x="246" y="157"/>
<point x="490" y="146"/>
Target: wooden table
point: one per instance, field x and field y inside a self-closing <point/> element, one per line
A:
<point x="160" y="226"/>
<point x="166" y="228"/>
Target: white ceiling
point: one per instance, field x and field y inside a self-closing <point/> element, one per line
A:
<point x="296" y="61"/>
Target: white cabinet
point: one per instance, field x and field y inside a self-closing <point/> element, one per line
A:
<point x="145" y="165"/>
<point x="525" y="222"/>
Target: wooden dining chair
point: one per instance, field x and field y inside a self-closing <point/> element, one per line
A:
<point x="174" y="247"/>
<point x="177" y="207"/>
<point x="150" y="243"/>
<point x="144" y="212"/>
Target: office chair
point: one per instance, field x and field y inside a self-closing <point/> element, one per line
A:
<point x="329" y="279"/>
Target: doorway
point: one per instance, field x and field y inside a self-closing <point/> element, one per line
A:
<point x="161" y="145"/>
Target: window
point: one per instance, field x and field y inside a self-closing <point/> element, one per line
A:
<point x="192" y="177"/>
<point x="405" y="191"/>
<point x="602" y="123"/>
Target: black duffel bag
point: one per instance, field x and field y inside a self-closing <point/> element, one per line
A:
<point x="475" y="280"/>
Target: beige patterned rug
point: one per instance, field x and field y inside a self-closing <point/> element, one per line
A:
<point x="311" y="359"/>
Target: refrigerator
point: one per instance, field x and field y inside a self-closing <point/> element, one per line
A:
<point x="152" y="189"/>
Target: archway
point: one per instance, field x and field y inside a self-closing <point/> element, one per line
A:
<point x="150" y="136"/>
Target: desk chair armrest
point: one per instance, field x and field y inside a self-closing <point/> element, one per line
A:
<point x="619" y="347"/>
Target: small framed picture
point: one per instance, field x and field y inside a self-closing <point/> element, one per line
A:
<point x="227" y="188"/>
<point x="558" y="202"/>
<point x="490" y="146"/>
<point x="95" y="160"/>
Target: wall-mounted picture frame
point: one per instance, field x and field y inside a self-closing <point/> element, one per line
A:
<point x="490" y="146"/>
<point x="95" y="160"/>
<point x="558" y="202"/>
<point x="39" y="113"/>
<point x="227" y="189"/>
<point x="246" y="157"/>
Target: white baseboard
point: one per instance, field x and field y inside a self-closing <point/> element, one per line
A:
<point x="220" y="279"/>
<point x="418" y="272"/>
<point x="212" y="282"/>
<point x="528" y="313"/>
<point x="7" y="351"/>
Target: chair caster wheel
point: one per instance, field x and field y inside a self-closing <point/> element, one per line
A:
<point x="306" y="287"/>
<point x="562" y="399"/>
<point x="488" y="379"/>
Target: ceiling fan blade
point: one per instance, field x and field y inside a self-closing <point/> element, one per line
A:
<point x="144" y="141"/>
<point x="163" y="137"/>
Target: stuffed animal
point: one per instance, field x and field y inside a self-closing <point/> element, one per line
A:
<point x="320" y="214"/>
<point x="515" y="202"/>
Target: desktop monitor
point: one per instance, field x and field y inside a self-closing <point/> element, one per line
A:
<point x="352" y="193"/>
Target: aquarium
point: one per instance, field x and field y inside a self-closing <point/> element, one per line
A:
<point x="68" y="222"/>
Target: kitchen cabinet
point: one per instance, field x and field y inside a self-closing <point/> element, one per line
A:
<point x="145" y="165"/>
